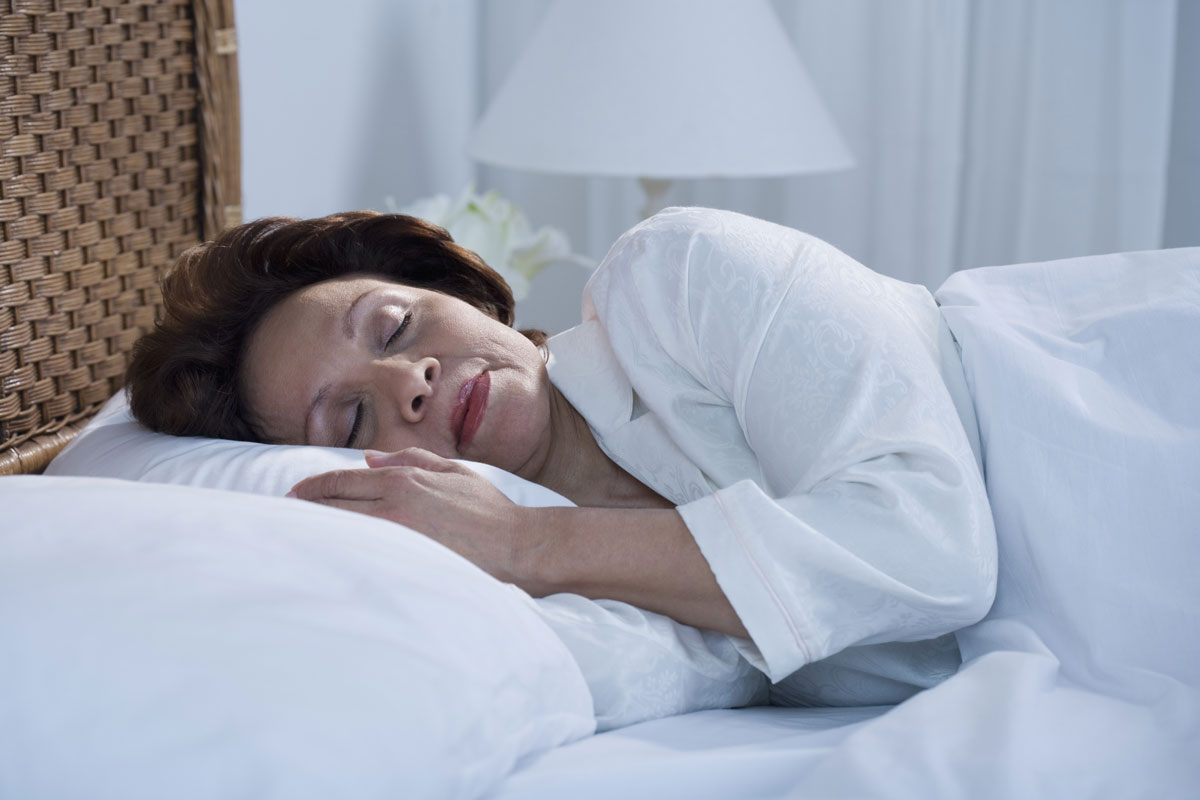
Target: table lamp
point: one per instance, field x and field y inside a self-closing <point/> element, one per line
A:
<point x="658" y="90"/>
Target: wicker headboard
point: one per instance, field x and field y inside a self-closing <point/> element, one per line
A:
<point x="119" y="149"/>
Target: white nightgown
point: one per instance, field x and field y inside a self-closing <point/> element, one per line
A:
<point x="810" y="420"/>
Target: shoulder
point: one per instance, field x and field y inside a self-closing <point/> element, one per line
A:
<point x="695" y="226"/>
<point x="692" y="252"/>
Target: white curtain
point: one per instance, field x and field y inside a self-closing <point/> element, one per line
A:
<point x="985" y="132"/>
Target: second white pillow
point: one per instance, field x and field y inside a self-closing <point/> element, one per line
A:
<point x="114" y="445"/>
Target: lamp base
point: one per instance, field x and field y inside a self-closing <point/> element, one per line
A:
<point x="654" y="190"/>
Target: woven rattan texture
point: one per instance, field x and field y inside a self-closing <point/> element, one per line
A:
<point x="100" y="190"/>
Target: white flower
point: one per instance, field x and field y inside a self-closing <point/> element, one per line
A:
<point x="498" y="232"/>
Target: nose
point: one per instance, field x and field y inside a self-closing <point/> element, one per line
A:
<point x="415" y="387"/>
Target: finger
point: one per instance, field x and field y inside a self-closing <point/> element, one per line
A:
<point x="410" y="457"/>
<point x="371" y="507"/>
<point x="345" y="484"/>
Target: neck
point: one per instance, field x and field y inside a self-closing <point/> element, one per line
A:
<point x="574" y="457"/>
<point x="578" y="469"/>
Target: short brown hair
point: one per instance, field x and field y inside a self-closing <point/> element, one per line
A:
<point x="183" y="376"/>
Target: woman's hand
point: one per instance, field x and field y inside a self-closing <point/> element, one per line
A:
<point x="440" y="498"/>
<point x="642" y="556"/>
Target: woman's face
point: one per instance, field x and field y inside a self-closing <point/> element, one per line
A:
<point x="365" y="363"/>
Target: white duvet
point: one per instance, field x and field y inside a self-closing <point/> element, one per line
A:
<point x="1084" y="678"/>
<point x="1086" y="379"/>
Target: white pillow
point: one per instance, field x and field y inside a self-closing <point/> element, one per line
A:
<point x="114" y="445"/>
<point x="165" y="641"/>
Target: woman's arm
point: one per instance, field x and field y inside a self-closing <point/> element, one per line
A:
<point x="638" y="664"/>
<point x="644" y="557"/>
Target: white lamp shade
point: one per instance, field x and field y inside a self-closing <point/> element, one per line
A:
<point x="661" y="89"/>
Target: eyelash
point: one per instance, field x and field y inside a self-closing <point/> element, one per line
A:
<point x="358" y="417"/>
<point x="358" y="409"/>
<point x="399" y="330"/>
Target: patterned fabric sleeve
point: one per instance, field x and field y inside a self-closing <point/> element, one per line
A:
<point x="848" y="508"/>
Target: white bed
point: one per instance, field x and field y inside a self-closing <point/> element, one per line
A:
<point x="152" y="676"/>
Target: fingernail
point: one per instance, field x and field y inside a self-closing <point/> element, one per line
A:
<point x="292" y="493"/>
<point x="373" y="453"/>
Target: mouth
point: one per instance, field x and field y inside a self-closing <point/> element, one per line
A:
<point x="468" y="411"/>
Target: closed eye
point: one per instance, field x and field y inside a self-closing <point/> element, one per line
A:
<point x="398" y="332"/>
<point x="357" y="426"/>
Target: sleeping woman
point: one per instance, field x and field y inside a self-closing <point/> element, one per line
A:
<point x="763" y="438"/>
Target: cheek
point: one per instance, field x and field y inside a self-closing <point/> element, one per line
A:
<point x="525" y="411"/>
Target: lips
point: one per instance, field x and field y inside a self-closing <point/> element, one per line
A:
<point x="468" y="411"/>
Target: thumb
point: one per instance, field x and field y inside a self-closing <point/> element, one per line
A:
<point x="409" y="457"/>
<point x="379" y="458"/>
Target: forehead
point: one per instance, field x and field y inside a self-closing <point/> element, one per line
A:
<point x="334" y="290"/>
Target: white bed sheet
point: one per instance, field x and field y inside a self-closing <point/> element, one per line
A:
<point x="1008" y="725"/>
<point x="724" y="753"/>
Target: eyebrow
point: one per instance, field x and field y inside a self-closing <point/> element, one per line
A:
<point x="348" y="319"/>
